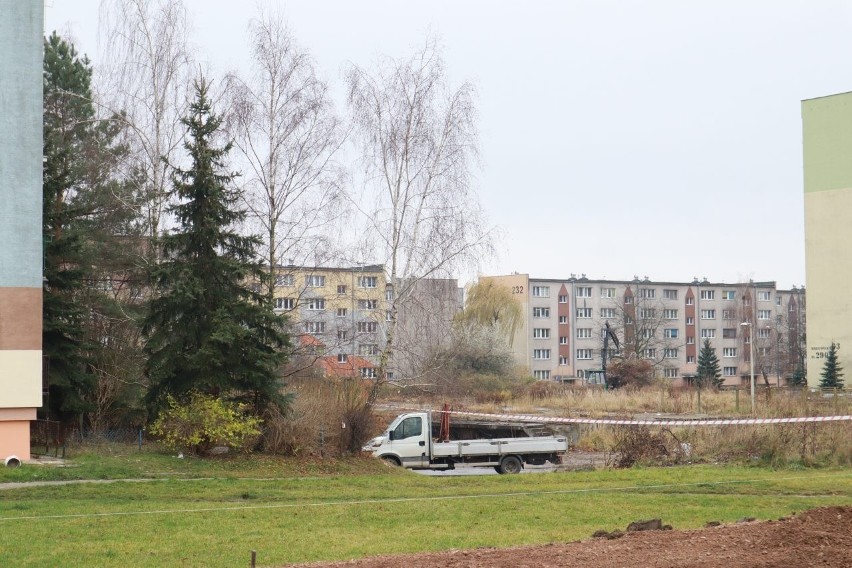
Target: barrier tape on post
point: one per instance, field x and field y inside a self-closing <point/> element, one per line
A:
<point x="661" y="422"/>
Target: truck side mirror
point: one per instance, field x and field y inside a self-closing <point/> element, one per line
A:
<point x="390" y="435"/>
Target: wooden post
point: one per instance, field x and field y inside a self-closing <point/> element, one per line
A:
<point x="253" y="558"/>
<point x="737" y="400"/>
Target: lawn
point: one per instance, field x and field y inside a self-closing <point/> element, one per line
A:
<point x="217" y="521"/>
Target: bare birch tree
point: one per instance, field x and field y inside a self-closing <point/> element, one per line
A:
<point x="284" y="126"/>
<point x="418" y="140"/>
<point x="146" y="73"/>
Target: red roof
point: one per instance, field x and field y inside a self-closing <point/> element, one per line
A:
<point x="308" y="340"/>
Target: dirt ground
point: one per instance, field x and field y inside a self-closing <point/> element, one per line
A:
<point x="816" y="538"/>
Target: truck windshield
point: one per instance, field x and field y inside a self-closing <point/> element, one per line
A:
<point x="411" y="426"/>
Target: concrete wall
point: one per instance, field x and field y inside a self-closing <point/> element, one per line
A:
<point x="827" y="141"/>
<point x="21" y="29"/>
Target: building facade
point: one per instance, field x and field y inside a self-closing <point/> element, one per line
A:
<point x="827" y="143"/>
<point x="563" y="331"/>
<point x="21" y="51"/>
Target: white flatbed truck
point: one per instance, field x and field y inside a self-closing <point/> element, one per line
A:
<point x="408" y="442"/>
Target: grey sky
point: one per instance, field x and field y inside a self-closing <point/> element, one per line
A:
<point x="617" y="138"/>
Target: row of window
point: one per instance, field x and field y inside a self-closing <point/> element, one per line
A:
<point x="606" y="292"/>
<point x="668" y="333"/>
<point x="318" y="304"/>
<point x="318" y="327"/>
<point x="318" y="281"/>
<point x="650" y="313"/>
<point x="668" y="372"/>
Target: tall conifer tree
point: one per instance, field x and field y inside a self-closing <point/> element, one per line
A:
<point x="209" y="329"/>
<point x="832" y="372"/>
<point x="709" y="373"/>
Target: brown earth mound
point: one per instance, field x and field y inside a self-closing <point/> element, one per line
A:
<point x="820" y="537"/>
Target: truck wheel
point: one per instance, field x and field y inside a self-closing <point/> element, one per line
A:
<point x="510" y="464"/>
<point x="391" y="461"/>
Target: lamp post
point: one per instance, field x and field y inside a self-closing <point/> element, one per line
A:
<point x="750" y="360"/>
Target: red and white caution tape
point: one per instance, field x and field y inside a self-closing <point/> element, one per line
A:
<point x="662" y="422"/>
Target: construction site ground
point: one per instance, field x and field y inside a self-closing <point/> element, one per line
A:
<point x="816" y="538"/>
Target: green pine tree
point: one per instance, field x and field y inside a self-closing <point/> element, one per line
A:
<point x="832" y="372"/>
<point x="709" y="373"/>
<point x="208" y="330"/>
<point x="799" y="378"/>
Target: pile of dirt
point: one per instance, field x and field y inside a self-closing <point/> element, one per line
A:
<point x="816" y="538"/>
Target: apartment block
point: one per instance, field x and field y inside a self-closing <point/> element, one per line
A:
<point x="666" y="323"/>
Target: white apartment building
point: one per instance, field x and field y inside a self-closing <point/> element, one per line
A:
<point x="562" y="333"/>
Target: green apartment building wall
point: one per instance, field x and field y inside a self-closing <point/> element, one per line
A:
<point x="827" y="146"/>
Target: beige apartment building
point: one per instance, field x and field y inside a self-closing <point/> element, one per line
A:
<point x="561" y="336"/>
<point x="827" y="143"/>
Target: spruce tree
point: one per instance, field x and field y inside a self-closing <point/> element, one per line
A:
<point x="709" y="373"/>
<point x="832" y="372"/>
<point x="799" y="379"/>
<point x="208" y="330"/>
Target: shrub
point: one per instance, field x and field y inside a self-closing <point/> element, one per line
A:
<point x="204" y="422"/>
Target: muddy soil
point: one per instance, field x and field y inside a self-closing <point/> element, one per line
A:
<point x="817" y="538"/>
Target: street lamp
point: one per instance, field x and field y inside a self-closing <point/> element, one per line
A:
<point x="750" y="360"/>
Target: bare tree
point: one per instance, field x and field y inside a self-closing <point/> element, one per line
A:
<point x="284" y="126"/>
<point x="146" y="74"/>
<point x="418" y="140"/>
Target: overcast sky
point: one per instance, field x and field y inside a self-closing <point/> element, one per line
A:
<point x="618" y="138"/>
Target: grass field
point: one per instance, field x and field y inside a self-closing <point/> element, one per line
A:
<point x="218" y="521"/>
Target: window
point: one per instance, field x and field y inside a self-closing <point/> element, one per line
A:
<point x="541" y="333"/>
<point x="408" y="428"/>
<point x="285" y="303"/>
<point x="708" y="314"/>
<point x="341" y="334"/>
<point x="729" y="295"/>
<point x="563" y="360"/>
<point x="764" y="314"/>
<point x="764" y="333"/>
<point x="584" y="353"/>
<point x="729" y="333"/>
<point x="608" y="313"/>
<point x="563" y="340"/>
<point x="690" y="340"/>
<point x="563" y="299"/>
<point x="764" y="296"/>
<point x="563" y="319"/>
<point x="584" y="313"/>
<point x="388" y="315"/>
<point x="541" y="354"/>
<point x="690" y="301"/>
<point x="541" y="312"/>
<point x="646" y="333"/>
<point x="708" y="294"/>
<point x="628" y="299"/>
<point x="647" y="293"/>
<point x="584" y="291"/>
<point x="708" y="334"/>
<point x="314" y="281"/>
<point x="670" y="333"/>
<point x="690" y="320"/>
<point x="541" y="291"/>
<point x="777" y="300"/>
<point x="670" y="314"/>
<point x="607" y="292"/>
<point x="647" y="313"/>
<point x="370" y="373"/>
<point x="389" y="294"/>
<point x="670" y="294"/>
<point x="368" y="349"/>
<point x="367" y="326"/>
<point x="368" y="304"/>
<point x="314" y="327"/>
<point x="285" y="280"/>
<point x="690" y="358"/>
<point x="763" y="350"/>
<point x="341" y="289"/>
<point x="729" y="352"/>
<point x="729" y="371"/>
<point x="584" y="333"/>
<point x="316" y="304"/>
<point x="544" y="375"/>
<point x="670" y="373"/>
<point x="670" y="353"/>
<point x="729" y="314"/>
<point x="649" y="353"/>
<point x="628" y="320"/>
<point x="342" y="358"/>
<point x="367" y="281"/>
